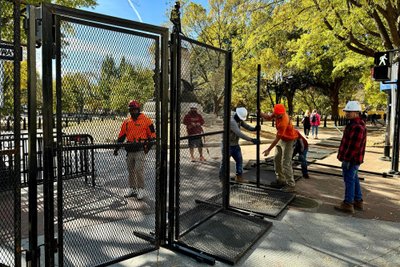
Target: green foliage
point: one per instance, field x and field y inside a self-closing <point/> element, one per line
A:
<point x="135" y="82"/>
<point x="116" y="86"/>
<point x="325" y="46"/>
<point x="7" y="35"/>
<point x="374" y="98"/>
<point x="77" y="92"/>
<point x="203" y="72"/>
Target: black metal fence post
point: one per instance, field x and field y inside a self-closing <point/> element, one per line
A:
<point x="32" y="138"/>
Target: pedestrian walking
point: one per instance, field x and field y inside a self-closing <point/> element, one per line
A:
<point x="284" y="141"/>
<point x="315" y="120"/>
<point x="306" y="123"/>
<point x="194" y="122"/>
<point x="351" y="154"/>
<point x="137" y="130"/>
<point x="237" y="121"/>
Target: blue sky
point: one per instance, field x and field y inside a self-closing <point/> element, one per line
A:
<point x="150" y="11"/>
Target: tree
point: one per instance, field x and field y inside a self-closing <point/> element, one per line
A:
<point x="108" y="78"/>
<point x="227" y="24"/>
<point x="77" y="91"/>
<point x="337" y="71"/>
<point x="135" y="82"/>
<point x="360" y="26"/>
<point x="7" y="35"/>
<point x="363" y="26"/>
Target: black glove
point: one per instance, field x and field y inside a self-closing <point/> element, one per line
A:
<point x="257" y="128"/>
<point x="255" y="141"/>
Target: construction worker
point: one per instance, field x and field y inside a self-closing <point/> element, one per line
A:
<point x="351" y="154"/>
<point x="138" y="130"/>
<point x="237" y="120"/>
<point x="284" y="140"/>
<point x="301" y="148"/>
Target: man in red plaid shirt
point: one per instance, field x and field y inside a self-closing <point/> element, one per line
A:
<point x="351" y="154"/>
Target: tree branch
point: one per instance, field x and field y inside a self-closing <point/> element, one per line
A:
<point x="382" y="30"/>
<point x="391" y="18"/>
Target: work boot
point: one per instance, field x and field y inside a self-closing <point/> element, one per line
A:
<point x="306" y="176"/>
<point x="239" y="179"/>
<point x="131" y="193"/>
<point x="288" y="189"/>
<point x="140" y="193"/>
<point x="359" y="204"/>
<point x="277" y="184"/>
<point x="345" y="207"/>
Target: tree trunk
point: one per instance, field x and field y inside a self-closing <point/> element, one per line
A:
<point x="334" y="96"/>
<point x="289" y="98"/>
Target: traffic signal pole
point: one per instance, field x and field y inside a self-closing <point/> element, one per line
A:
<point x="384" y="62"/>
<point x="395" y="150"/>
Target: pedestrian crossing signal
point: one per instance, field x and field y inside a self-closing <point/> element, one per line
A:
<point x="383" y="63"/>
<point x="383" y="59"/>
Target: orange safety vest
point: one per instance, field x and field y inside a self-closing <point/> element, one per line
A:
<point x="285" y="128"/>
<point x="136" y="130"/>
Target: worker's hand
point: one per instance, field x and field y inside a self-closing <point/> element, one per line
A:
<point x="257" y="128"/>
<point x="116" y="152"/>
<point x="145" y="149"/>
<point x="255" y="141"/>
<point x="266" y="152"/>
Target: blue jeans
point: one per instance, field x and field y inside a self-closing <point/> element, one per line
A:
<point x="314" y="128"/>
<point x="351" y="182"/>
<point x="236" y="153"/>
<point x="303" y="161"/>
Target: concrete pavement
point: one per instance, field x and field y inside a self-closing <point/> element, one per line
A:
<point x="319" y="235"/>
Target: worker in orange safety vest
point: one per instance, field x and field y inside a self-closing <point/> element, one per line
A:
<point x="138" y="130"/>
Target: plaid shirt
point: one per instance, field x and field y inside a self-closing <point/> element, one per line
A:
<point x="352" y="146"/>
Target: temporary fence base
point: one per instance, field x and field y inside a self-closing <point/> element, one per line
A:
<point x="267" y="173"/>
<point x="227" y="236"/>
<point x="267" y="202"/>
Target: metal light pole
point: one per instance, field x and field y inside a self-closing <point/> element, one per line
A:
<point x="395" y="150"/>
<point x="258" y="125"/>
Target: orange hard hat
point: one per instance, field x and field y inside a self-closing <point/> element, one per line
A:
<point x="279" y="109"/>
<point x="134" y="104"/>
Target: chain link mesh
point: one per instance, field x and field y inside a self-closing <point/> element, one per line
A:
<point x="9" y="224"/>
<point x="202" y="92"/>
<point x="101" y="71"/>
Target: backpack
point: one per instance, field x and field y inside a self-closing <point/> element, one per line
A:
<point x="313" y="118"/>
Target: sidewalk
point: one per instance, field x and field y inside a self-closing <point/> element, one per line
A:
<point x="319" y="235"/>
<point x="307" y="239"/>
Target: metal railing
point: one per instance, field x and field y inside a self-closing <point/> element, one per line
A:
<point x="77" y="162"/>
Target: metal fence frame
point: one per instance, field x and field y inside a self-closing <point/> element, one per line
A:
<point x="51" y="16"/>
<point x="13" y="153"/>
<point x="174" y="174"/>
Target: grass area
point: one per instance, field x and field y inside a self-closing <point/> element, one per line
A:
<point x="106" y="131"/>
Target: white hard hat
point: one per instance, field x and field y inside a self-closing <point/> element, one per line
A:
<point x="193" y="105"/>
<point x="352" y="106"/>
<point x="242" y="113"/>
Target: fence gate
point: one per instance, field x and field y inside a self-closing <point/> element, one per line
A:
<point x="201" y="78"/>
<point x="10" y="99"/>
<point x="93" y="65"/>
